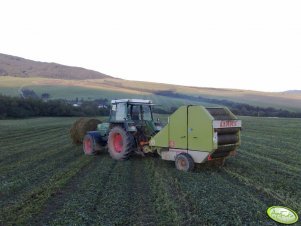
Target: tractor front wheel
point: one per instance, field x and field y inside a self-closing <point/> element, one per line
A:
<point x="184" y="162"/>
<point x="120" y="143"/>
<point x="89" y="145"/>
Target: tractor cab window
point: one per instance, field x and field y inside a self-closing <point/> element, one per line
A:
<point x="113" y="112"/>
<point x="140" y="112"/>
<point x="147" y="113"/>
<point x="118" y="112"/>
<point x="135" y="112"/>
<point x="121" y="112"/>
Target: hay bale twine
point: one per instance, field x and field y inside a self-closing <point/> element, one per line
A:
<point x="80" y="127"/>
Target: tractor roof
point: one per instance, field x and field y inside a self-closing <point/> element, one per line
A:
<point x="132" y="101"/>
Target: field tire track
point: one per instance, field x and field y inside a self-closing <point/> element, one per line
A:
<point x="57" y="200"/>
<point x="259" y="189"/>
<point x="14" y="149"/>
<point x="76" y="202"/>
<point x="34" y="180"/>
<point x="143" y="198"/>
<point x="34" y="201"/>
<point x="50" y="151"/>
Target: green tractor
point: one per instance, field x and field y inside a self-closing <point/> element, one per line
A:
<point x="129" y="129"/>
<point x="193" y="134"/>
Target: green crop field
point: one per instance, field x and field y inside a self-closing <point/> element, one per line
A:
<point x="45" y="180"/>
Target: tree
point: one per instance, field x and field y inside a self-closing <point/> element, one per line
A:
<point x="45" y="95"/>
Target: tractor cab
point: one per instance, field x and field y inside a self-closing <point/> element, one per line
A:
<point x="131" y="109"/>
<point x="130" y="126"/>
<point x="134" y="115"/>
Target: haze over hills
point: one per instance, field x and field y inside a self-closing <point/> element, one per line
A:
<point x="70" y="82"/>
<point x="293" y="91"/>
<point x="20" y="67"/>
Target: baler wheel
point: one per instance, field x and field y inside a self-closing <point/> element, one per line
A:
<point x="120" y="143"/>
<point x="89" y="145"/>
<point x="184" y="162"/>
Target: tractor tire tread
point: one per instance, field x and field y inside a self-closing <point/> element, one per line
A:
<point x="128" y="140"/>
<point x="93" y="151"/>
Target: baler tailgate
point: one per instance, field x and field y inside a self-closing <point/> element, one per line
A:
<point x="227" y="127"/>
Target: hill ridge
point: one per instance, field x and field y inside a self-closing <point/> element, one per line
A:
<point x="21" y="67"/>
<point x="68" y="82"/>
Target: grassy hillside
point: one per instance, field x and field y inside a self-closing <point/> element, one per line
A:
<point x="63" y="89"/>
<point x="66" y="82"/>
<point x="20" y="67"/>
<point x="45" y="180"/>
<point x="116" y="88"/>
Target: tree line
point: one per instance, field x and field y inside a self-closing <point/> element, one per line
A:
<point x="17" y="107"/>
<point x="236" y="108"/>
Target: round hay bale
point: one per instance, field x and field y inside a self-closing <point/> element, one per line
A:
<point x="80" y="127"/>
<point x="73" y="131"/>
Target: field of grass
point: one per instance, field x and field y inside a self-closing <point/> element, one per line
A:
<point x="45" y="180"/>
<point x="111" y="88"/>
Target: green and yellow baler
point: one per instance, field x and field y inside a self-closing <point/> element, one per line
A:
<point x="193" y="134"/>
<point x="196" y="134"/>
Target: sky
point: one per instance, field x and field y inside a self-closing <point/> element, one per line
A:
<point x="253" y="45"/>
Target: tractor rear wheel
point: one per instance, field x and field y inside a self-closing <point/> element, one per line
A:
<point x="89" y="145"/>
<point x="184" y="162"/>
<point x="120" y="143"/>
